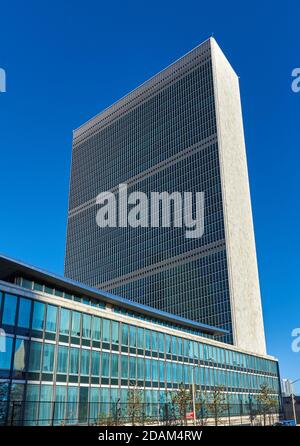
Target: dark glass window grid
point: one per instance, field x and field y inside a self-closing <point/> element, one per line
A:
<point x="166" y="142"/>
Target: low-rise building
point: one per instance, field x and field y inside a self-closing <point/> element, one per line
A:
<point x="72" y="354"/>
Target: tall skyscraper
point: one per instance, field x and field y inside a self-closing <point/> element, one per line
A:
<point x="180" y="131"/>
<point x="287" y="387"/>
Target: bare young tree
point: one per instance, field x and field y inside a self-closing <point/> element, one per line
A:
<point x="183" y="400"/>
<point x="267" y="402"/>
<point x="217" y="403"/>
<point x="135" y="406"/>
<point x="200" y="405"/>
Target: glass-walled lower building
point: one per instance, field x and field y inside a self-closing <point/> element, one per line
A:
<point x="69" y="355"/>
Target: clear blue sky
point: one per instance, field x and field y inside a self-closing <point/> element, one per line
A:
<point x="67" y="60"/>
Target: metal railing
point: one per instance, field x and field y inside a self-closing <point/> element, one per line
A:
<point x="61" y="413"/>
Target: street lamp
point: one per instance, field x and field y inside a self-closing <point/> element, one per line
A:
<point x="293" y="401"/>
<point x="193" y="392"/>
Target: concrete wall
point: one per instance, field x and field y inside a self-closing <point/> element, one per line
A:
<point x="247" y="320"/>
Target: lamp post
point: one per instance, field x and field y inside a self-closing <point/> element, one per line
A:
<point x="193" y="392"/>
<point x="293" y="401"/>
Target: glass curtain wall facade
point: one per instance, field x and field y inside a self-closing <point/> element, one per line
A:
<point x="181" y="131"/>
<point x="161" y="137"/>
<point x="65" y="362"/>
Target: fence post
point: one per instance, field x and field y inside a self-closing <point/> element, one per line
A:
<point x="202" y="414"/>
<point x="115" y="410"/>
<point x="241" y="410"/>
<point x="228" y="409"/>
<point x="166" y="414"/>
<point x="119" y="409"/>
<point x="53" y="413"/>
<point x="144" y="408"/>
<point x="12" y="414"/>
<point x="88" y="412"/>
<point x="250" y="410"/>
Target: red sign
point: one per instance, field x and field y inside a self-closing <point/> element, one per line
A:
<point x="189" y="415"/>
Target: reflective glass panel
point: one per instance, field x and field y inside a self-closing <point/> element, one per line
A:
<point x="115" y="332"/>
<point x="64" y="326"/>
<point x="114" y="365"/>
<point x="20" y="355"/>
<point x="45" y="411"/>
<point x="105" y="364"/>
<point x="106" y="330"/>
<point x="5" y="355"/>
<point x="48" y="357"/>
<point x="24" y="313"/>
<point x="76" y="319"/>
<point x="96" y="328"/>
<point x="62" y="359"/>
<point x="74" y="360"/>
<point x="51" y="318"/>
<point x="35" y="356"/>
<point x="95" y="363"/>
<point x="86" y="326"/>
<point x="38" y="316"/>
<point x="85" y="362"/>
<point x="9" y="309"/>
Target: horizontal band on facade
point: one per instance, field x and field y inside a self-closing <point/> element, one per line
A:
<point x="207" y="142"/>
<point x="164" y="265"/>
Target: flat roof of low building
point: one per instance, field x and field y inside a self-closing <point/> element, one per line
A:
<point x="11" y="268"/>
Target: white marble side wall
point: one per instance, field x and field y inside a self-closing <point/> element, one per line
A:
<point x="248" y="327"/>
